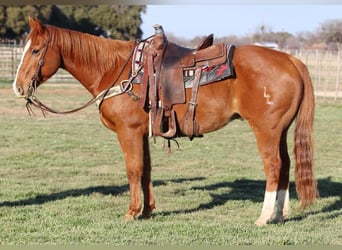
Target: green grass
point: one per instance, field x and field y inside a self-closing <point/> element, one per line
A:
<point x="63" y="181"/>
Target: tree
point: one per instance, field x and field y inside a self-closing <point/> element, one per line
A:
<point x="331" y="32"/>
<point x="269" y="36"/>
<point x="13" y="19"/>
<point x="115" y="21"/>
<point x="2" y="19"/>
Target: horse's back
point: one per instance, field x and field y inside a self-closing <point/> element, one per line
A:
<point x="261" y="61"/>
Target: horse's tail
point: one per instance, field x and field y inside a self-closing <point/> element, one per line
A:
<point x="306" y="185"/>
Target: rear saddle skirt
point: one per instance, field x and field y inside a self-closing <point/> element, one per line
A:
<point x="165" y="70"/>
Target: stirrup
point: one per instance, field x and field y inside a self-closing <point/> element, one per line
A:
<point x="158" y="124"/>
<point x="172" y="126"/>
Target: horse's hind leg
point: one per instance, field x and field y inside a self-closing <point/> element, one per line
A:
<point x="268" y="146"/>
<point x="283" y="208"/>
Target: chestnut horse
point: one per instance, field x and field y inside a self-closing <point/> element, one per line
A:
<point x="270" y="90"/>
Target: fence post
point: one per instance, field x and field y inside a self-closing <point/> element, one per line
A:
<point x="13" y="73"/>
<point x="317" y="69"/>
<point x="338" y="70"/>
<point x="326" y="78"/>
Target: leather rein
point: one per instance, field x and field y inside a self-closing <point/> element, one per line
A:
<point x="124" y="87"/>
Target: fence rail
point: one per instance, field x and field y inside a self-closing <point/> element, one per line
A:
<point x="324" y="66"/>
<point x="325" y="70"/>
<point x="10" y="55"/>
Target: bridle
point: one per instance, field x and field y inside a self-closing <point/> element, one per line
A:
<point x="124" y="87"/>
<point x="36" y="77"/>
<point x="30" y="97"/>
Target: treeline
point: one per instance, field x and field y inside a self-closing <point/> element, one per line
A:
<point x="123" y="22"/>
<point x="327" y="36"/>
<point x="114" y="21"/>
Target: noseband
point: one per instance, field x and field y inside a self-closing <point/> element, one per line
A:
<point x="36" y="77"/>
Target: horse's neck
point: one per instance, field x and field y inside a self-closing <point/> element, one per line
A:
<point x="90" y="75"/>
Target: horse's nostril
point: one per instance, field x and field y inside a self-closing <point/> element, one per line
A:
<point x="20" y="90"/>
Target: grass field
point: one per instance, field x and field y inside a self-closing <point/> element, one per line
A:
<point x="63" y="181"/>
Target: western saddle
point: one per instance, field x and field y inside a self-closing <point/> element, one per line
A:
<point x="163" y="82"/>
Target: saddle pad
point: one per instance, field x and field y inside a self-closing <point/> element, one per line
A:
<point x="213" y="73"/>
<point x="209" y="74"/>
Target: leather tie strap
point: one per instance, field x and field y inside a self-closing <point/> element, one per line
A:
<point x="190" y="126"/>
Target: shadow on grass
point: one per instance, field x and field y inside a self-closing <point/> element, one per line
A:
<point x="253" y="190"/>
<point x="242" y="189"/>
<point x="327" y="188"/>
<point x="44" y="198"/>
<point x="105" y="190"/>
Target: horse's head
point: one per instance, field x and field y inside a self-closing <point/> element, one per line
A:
<point x="40" y="60"/>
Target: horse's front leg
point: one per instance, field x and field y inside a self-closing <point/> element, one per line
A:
<point x="146" y="181"/>
<point x="135" y="148"/>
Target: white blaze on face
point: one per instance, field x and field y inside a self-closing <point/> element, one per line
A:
<point x="26" y="48"/>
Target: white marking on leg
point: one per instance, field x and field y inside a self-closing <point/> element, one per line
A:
<point x="26" y="48"/>
<point x="267" y="209"/>
<point x="269" y="202"/>
<point x="286" y="209"/>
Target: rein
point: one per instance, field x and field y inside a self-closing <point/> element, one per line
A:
<point x="124" y="87"/>
<point x="34" y="101"/>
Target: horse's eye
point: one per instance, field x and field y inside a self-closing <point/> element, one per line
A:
<point x="35" y="52"/>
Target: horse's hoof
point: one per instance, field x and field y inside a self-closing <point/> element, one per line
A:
<point x="129" y="217"/>
<point x="277" y="219"/>
<point x="260" y="223"/>
<point x="286" y="214"/>
<point x="146" y="215"/>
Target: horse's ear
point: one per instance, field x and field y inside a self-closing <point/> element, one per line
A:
<point x="35" y="24"/>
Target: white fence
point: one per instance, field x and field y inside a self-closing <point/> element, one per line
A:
<point x="325" y="70"/>
<point x="324" y="66"/>
<point x="10" y="55"/>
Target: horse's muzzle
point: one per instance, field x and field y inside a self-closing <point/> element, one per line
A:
<point x="18" y="91"/>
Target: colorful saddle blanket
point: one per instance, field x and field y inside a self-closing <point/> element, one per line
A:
<point x="209" y="74"/>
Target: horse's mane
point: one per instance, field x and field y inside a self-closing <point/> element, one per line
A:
<point x="96" y="53"/>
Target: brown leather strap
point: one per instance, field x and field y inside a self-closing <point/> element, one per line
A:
<point x="36" y="78"/>
<point x="190" y="126"/>
<point x="148" y="56"/>
<point x="152" y="85"/>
